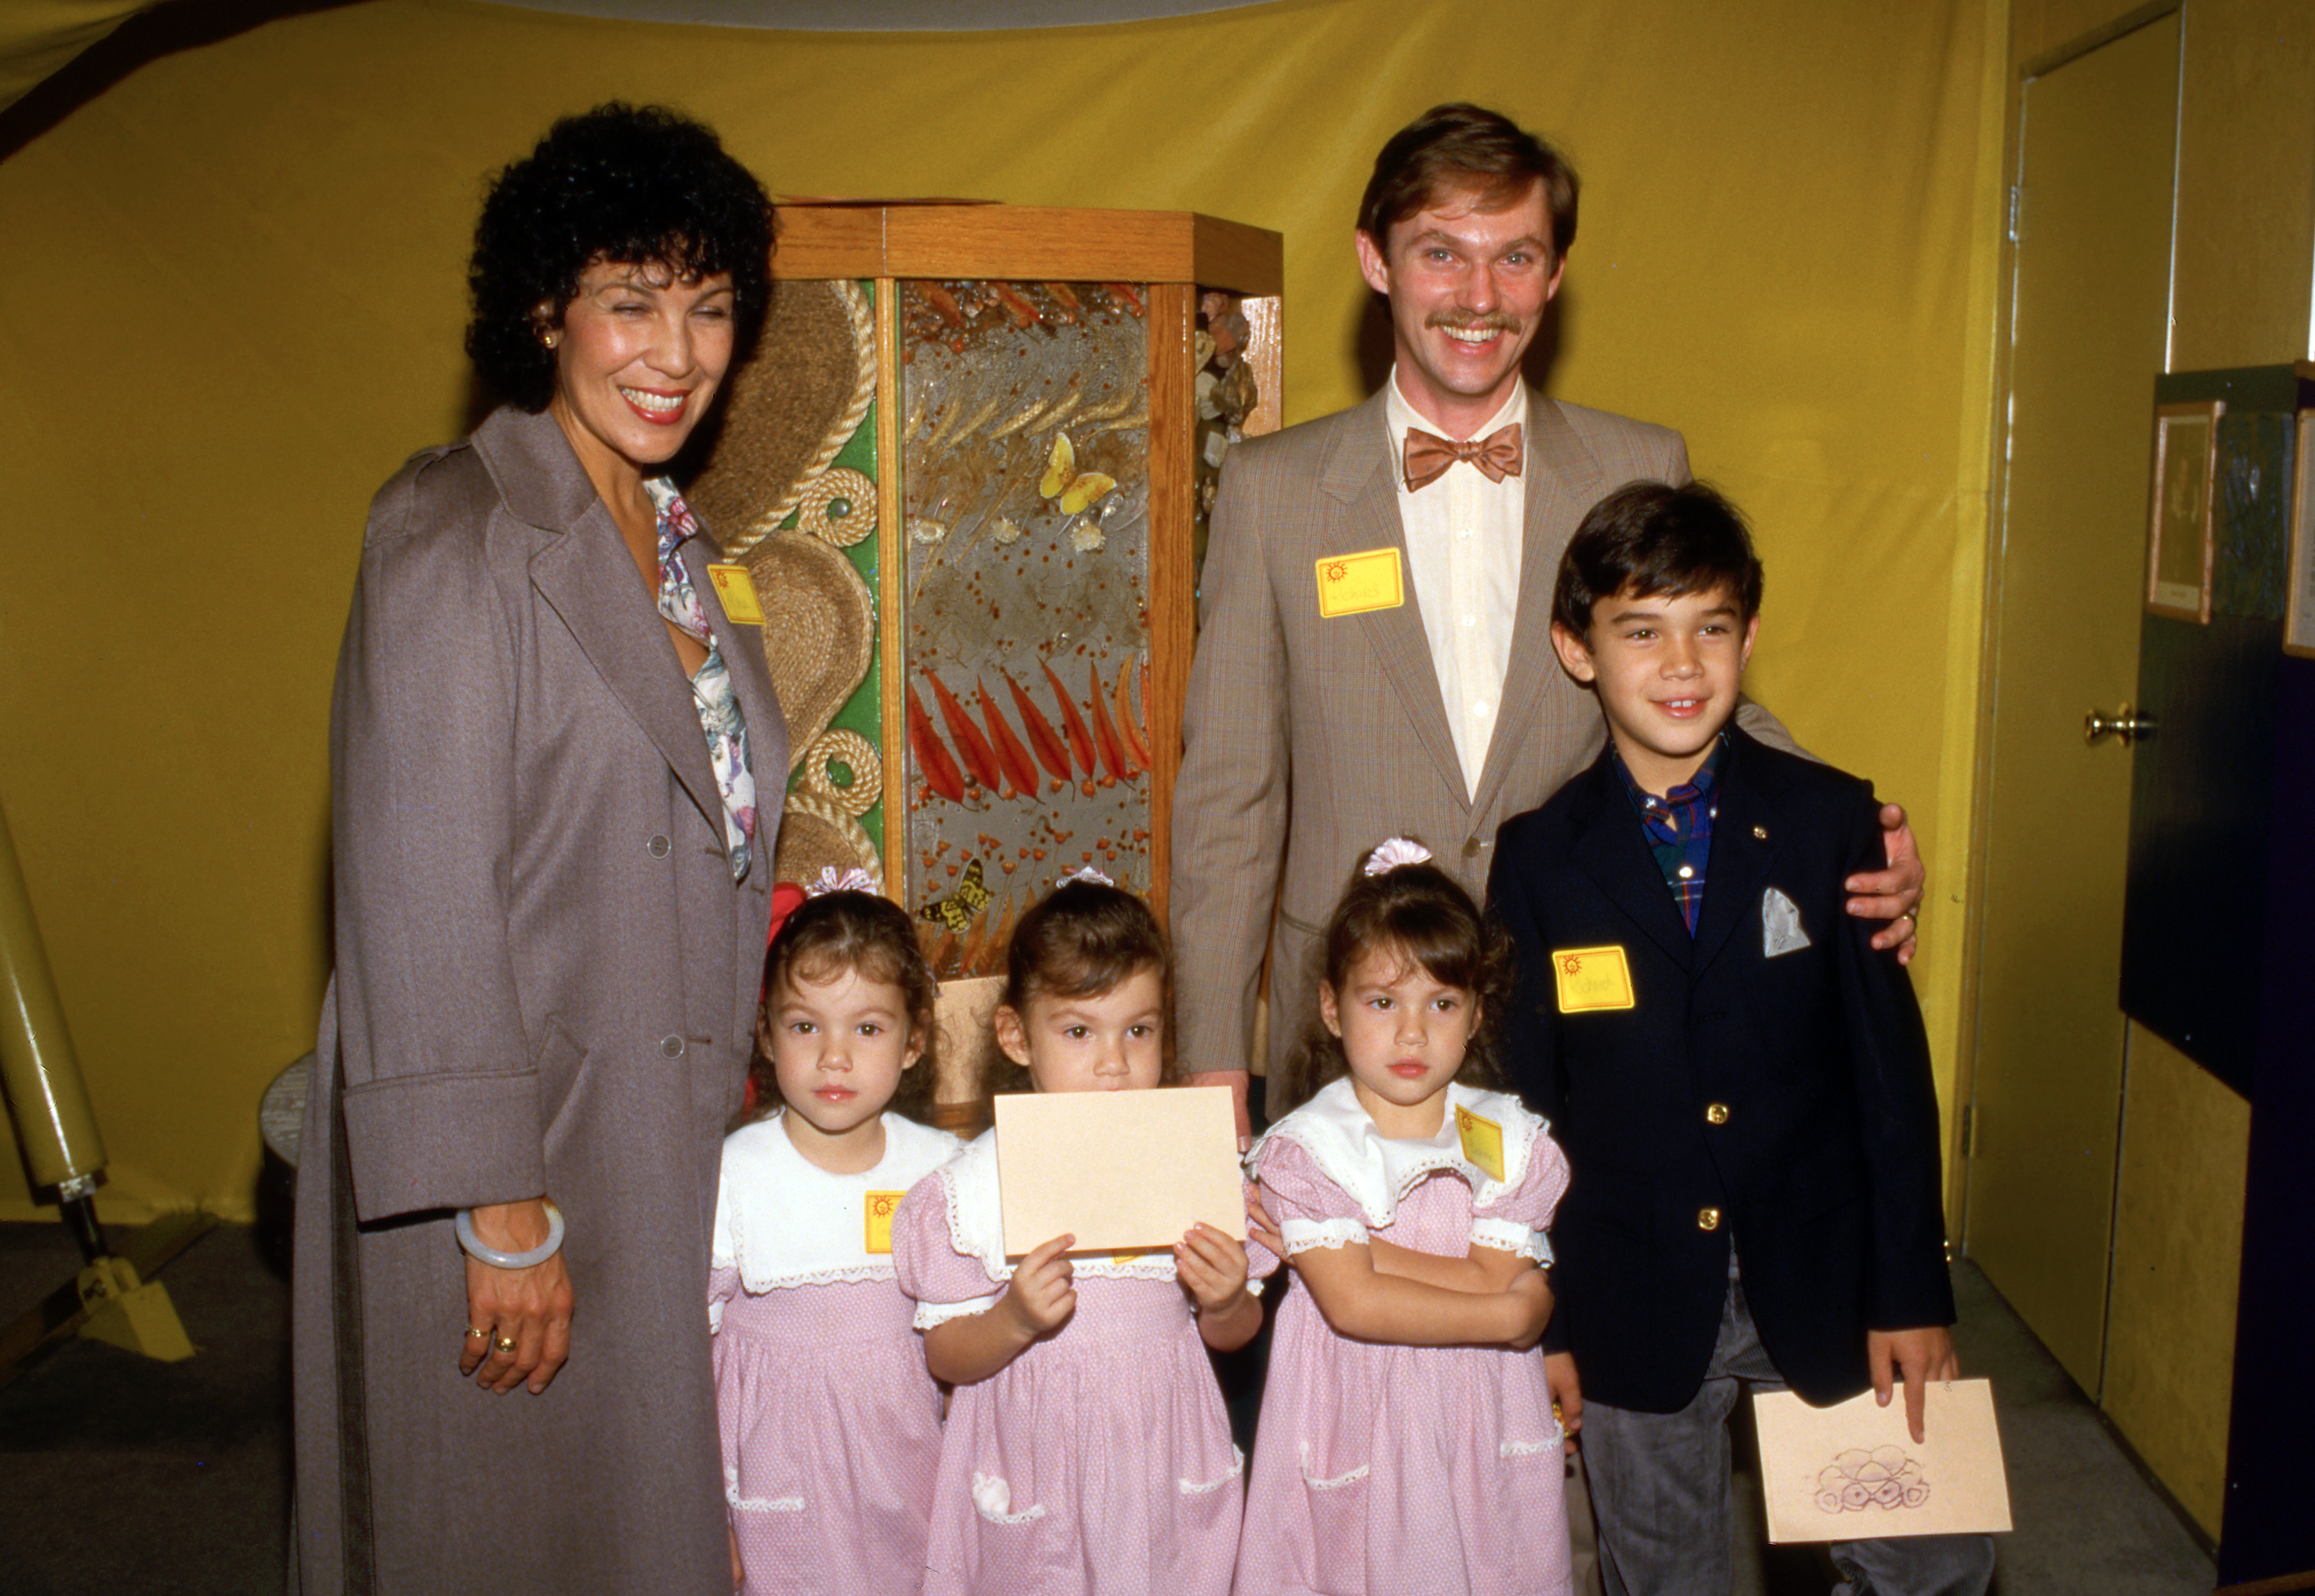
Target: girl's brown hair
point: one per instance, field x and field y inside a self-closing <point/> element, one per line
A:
<point x="863" y="934"/>
<point x="1080" y="940"/>
<point x="1419" y="912"/>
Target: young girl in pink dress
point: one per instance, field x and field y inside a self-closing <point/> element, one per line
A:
<point x="831" y="1427"/>
<point x="1407" y="1439"/>
<point x="1087" y="1448"/>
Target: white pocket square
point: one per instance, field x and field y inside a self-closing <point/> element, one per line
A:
<point x="1780" y="925"/>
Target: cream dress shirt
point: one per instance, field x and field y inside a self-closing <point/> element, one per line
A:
<point x="1463" y="540"/>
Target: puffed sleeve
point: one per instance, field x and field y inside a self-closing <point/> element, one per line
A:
<point x="441" y="1100"/>
<point x="723" y="1252"/>
<point x="944" y="1284"/>
<point x="1515" y="1220"/>
<point x="1261" y="1263"/>
<point x="1312" y="1211"/>
<point x="722" y="1287"/>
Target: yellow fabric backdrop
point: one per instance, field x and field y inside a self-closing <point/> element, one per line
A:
<point x="236" y="297"/>
<point x="36" y="36"/>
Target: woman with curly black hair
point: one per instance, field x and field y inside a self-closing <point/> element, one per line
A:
<point x="551" y="898"/>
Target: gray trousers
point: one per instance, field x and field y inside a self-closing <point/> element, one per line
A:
<point x="1660" y="1488"/>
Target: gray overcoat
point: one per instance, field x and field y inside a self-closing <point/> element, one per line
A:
<point x="547" y="982"/>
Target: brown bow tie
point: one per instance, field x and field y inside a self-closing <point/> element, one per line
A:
<point x="1497" y="456"/>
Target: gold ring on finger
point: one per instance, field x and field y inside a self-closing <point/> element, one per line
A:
<point x="505" y="1343"/>
<point x="475" y="1334"/>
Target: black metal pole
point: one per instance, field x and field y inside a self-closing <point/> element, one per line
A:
<point x="80" y="1217"/>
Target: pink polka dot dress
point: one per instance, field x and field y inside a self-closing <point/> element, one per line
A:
<point x="830" y="1424"/>
<point x="1099" y="1461"/>
<point x="1391" y="1470"/>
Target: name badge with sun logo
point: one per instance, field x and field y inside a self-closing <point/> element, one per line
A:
<point x="876" y="1215"/>
<point x="737" y="590"/>
<point x="1353" y="584"/>
<point x="1483" y="1142"/>
<point x="1591" y="978"/>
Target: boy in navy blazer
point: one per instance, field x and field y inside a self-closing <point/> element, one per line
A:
<point x="1740" y="1083"/>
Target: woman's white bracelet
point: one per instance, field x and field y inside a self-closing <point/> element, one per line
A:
<point x="475" y="1248"/>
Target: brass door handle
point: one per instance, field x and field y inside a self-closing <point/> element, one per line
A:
<point x="2122" y="723"/>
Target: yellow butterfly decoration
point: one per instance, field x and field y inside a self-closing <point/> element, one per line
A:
<point x="1075" y="488"/>
<point x="960" y="909"/>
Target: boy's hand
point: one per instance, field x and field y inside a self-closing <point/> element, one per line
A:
<point x="1567" y="1394"/>
<point x="1893" y="894"/>
<point x="1213" y="1265"/>
<point x="1041" y="1296"/>
<point x="1917" y="1357"/>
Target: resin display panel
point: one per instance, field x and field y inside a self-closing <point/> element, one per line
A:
<point x="1024" y="438"/>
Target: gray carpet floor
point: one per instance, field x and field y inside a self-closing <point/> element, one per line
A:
<point x="123" y="1477"/>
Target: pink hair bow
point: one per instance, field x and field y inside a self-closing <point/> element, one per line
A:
<point x="1398" y="851"/>
<point x="853" y="880"/>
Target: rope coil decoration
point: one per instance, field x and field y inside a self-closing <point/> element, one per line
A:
<point x="863" y="324"/>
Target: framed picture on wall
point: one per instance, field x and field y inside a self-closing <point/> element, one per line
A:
<point x="2180" y="539"/>
<point x="2298" y="607"/>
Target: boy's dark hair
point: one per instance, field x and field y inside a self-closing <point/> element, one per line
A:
<point x="873" y="937"/>
<point x="1079" y="940"/>
<point x="1651" y="539"/>
<point x="627" y="184"/>
<point x="1421" y="912"/>
<point x="1467" y="147"/>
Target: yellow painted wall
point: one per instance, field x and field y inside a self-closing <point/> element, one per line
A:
<point x="237" y="298"/>
<point x="2037" y="26"/>
<point x="2178" y="1255"/>
<point x="2245" y="269"/>
<point x="2246" y="185"/>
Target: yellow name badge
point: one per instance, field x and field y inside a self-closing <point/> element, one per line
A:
<point x="1591" y="978"/>
<point x="1353" y="584"/>
<point x="878" y="1210"/>
<point x="737" y="590"/>
<point x="1482" y="1141"/>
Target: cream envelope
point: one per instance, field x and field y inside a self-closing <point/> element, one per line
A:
<point x="1121" y="1171"/>
<point x="1854" y="1472"/>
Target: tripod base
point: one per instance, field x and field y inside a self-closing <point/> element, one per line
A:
<point x="110" y="1300"/>
<point x="121" y="1308"/>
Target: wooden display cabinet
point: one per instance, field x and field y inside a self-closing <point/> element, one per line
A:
<point x="967" y="469"/>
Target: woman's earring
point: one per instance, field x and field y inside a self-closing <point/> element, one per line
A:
<point x="550" y="338"/>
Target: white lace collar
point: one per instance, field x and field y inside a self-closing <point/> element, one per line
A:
<point x="976" y="1223"/>
<point x="1376" y="1171"/>
<point x="784" y="1221"/>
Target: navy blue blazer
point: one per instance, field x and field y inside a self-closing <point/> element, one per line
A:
<point x="1759" y="1091"/>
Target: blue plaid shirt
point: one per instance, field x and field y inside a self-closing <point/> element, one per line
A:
<point x="1680" y="828"/>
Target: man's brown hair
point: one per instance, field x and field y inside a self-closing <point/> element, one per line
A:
<point x="1467" y="148"/>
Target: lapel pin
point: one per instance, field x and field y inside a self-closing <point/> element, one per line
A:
<point x="1760" y="834"/>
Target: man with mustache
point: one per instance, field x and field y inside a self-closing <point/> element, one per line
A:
<point x="1374" y="655"/>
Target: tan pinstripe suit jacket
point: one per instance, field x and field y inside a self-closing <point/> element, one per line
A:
<point x="1339" y="721"/>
